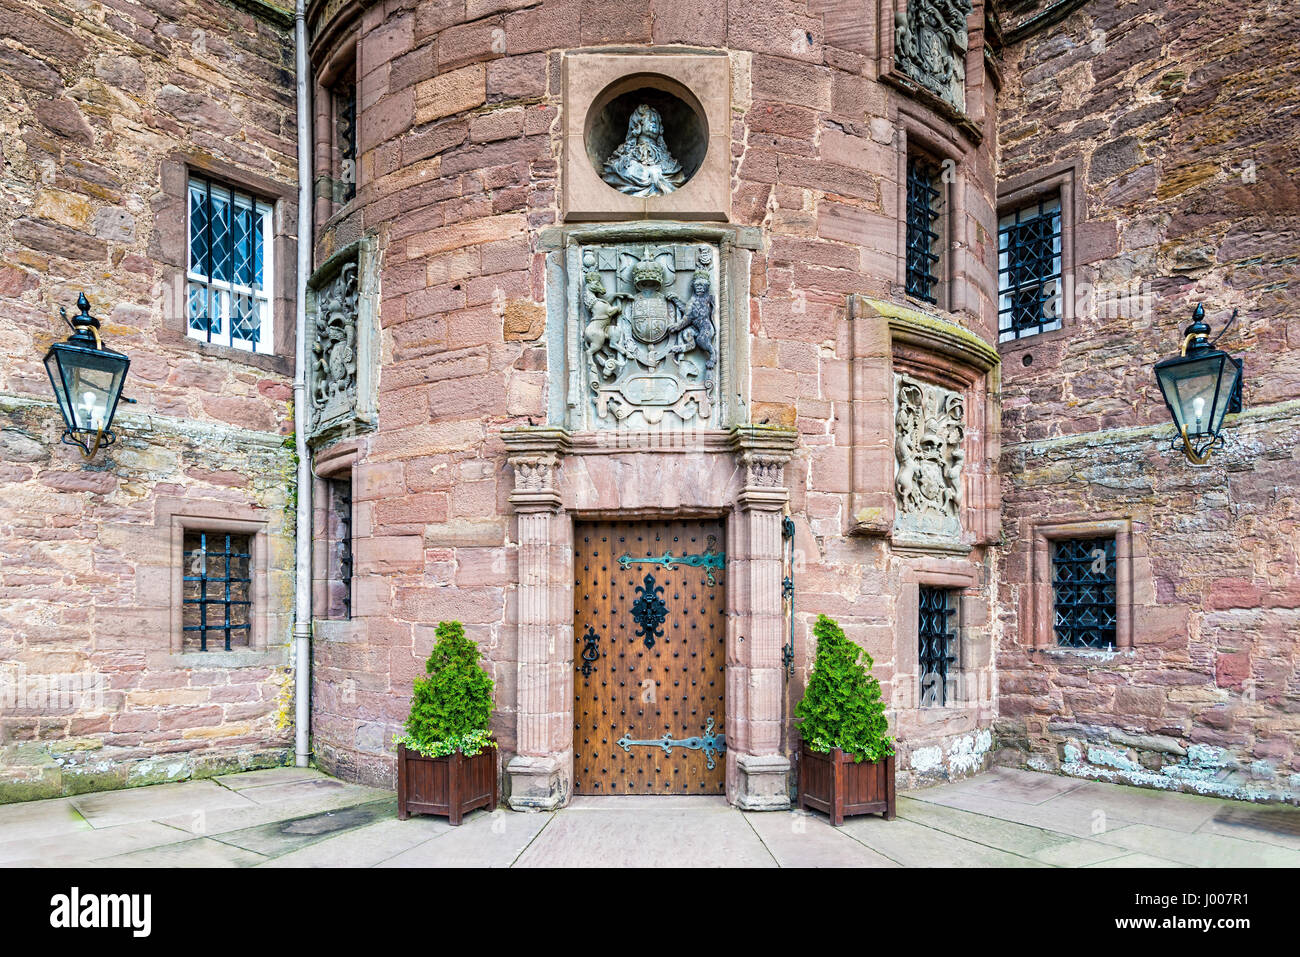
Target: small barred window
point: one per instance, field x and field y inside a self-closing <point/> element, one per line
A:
<point x="217" y="591"/>
<point x="344" y="95"/>
<point x="1083" y="592"/>
<point x="339" y="557"/>
<point x="923" y="205"/>
<point x="936" y="654"/>
<point x="1029" y="270"/>
<point x="228" y="298"/>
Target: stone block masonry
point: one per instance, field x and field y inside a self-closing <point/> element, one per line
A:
<point x="94" y="690"/>
<point x="1160" y="126"/>
<point x="107" y="108"/>
<point x="462" y="170"/>
<point x="1170" y="119"/>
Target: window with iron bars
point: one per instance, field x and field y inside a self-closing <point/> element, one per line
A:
<point x="1029" y="270"/>
<point x="923" y="207"/>
<point x="228" y="292"/>
<point x="217" y="593"/>
<point x="339" y="536"/>
<point x="1083" y="592"/>
<point x="936" y="654"/>
<point x="344" y="95"/>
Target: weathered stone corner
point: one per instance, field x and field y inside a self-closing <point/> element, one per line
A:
<point x="764" y="782"/>
<point x="538" y="783"/>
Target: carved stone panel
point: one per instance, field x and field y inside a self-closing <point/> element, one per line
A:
<point x="930" y="44"/>
<point x="334" y="348"/>
<point x="648" y="334"/>
<point x="340" y="350"/>
<point x="929" y="428"/>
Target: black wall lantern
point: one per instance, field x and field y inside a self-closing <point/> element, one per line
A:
<point x="1200" y="385"/>
<point x="87" y="381"/>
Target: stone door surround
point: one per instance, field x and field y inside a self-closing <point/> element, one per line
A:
<point x="559" y="477"/>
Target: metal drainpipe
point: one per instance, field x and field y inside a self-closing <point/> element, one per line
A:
<point x="302" y="532"/>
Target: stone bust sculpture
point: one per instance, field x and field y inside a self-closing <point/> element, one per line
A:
<point x="642" y="165"/>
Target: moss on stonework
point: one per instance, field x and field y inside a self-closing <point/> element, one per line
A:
<point x="83" y="782"/>
<point x="873" y="517"/>
<point x="31" y="789"/>
<point x="284" y="711"/>
<point x="48" y="780"/>
<point x="914" y="317"/>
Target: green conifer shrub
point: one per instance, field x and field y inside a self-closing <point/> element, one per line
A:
<point x="450" y="709"/>
<point x="842" y="707"/>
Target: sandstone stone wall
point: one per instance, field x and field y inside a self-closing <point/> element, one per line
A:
<point x="1172" y="116"/>
<point x="105" y="104"/>
<point x="460" y="152"/>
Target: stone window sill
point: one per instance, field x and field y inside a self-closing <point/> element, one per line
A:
<point x="1091" y="655"/>
<point x="230" y="659"/>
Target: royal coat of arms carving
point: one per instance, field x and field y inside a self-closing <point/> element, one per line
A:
<point x="334" y="349"/>
<point x="930" y="44"/>
<point x="650" y="334"/>
<point x="929" y="428"/>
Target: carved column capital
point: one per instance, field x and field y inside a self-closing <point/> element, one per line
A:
<point x="534" y="454"/>
<point x="764" y="452"/>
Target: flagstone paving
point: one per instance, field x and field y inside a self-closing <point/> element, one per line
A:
<point x="290" y="817"/>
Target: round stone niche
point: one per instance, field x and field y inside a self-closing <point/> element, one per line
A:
<point x="649" y="157"/>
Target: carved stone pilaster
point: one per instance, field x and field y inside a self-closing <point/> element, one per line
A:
<point x="757" y="772"/>
<point x="541" y="770"/>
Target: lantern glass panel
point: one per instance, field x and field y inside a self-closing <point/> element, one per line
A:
<point x="1197" y="391"/>
<point x="87" y="383"/>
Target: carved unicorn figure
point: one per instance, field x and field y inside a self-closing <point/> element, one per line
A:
<point x="597" y="334"/>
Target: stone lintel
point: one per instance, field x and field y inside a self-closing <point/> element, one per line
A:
<point x="558" y="237"/>
<point x="522" y="439"/>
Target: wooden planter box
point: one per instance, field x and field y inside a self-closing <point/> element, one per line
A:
<point x="836" y="784"/>
<point x="449" y="785"/>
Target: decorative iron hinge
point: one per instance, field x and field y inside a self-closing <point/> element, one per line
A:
<point x="711" y="744"/>
<point x="787" y="594"/>
<point x="710" y="559"/>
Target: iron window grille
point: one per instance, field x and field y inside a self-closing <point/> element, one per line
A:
<point x="217" y="595"/>
<point x="1029" y="270"/>
<point x="923" y="203"/>
<point x="936" y="634"/>
<point x="345" y="131"/>
<point x="1083" y="592"/>
<point x="228" y="292"/>
<point x="340" y="504"/>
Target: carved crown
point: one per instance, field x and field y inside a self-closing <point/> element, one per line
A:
<point x="648" y="271"/>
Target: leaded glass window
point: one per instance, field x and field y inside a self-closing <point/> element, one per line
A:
<point x="228" y="293"/>
<point x="923" y="197"/>
<point x="1083" y="592"/>
<point x="217" y="590"/>
<point x="1029" y="270"/>
<point x="936" y="654"/>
